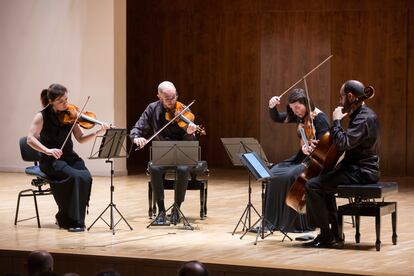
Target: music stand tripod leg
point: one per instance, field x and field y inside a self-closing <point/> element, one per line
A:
<point x="111" y="206"/>
<point x="247" y="214"/>
<point x="186" y="223"/>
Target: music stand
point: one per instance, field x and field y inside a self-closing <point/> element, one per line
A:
<point x="112" y="145"/>
<point x="235" y="147"/>
<point x="257" y="167"/>
<point x="172" y="154"/>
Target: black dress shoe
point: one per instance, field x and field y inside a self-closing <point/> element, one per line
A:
<point x="161" y="219"/>
<point x="76" y="229"/>
<point x="313" y="242"/>
<point x="175" y="216"/>
<point x="322" y="242"/>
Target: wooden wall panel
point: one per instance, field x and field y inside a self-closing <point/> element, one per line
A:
<point x="232" y="56"/>
<point x="370" y="46"/>
<point x="292" y="44"/>
<point x="226" y="74"/>
<point x="410" y="90"/>
<point x="211" y="56"/>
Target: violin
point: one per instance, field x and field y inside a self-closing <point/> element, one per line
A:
<point x="87" y="119"/>
<point x="184" y="119"/>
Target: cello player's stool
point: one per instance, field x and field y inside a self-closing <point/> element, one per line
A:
<point x="361" y="207"/>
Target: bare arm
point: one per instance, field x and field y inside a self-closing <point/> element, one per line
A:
<point x="33" y="135"/>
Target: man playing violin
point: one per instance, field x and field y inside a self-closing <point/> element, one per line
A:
<point x="360" y="163"/>
<point x="72" y="181"/>
<point x="153" y="119"/>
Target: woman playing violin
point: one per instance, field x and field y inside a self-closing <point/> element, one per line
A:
<point x="153" y="119"/>
<point x="314" y="123"/>
<point x="71" y="179"/>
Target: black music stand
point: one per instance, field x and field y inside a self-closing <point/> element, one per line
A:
<point x="172" y="154"/>
<point x="112" y="145"/>
<point x="258" y="168"/>
<point x="235" y="147"/>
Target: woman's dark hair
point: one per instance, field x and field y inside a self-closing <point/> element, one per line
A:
<point x="297" y="95"/>
<point x="52" y="93"/>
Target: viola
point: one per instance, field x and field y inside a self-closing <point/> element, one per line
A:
<point x="184" y="119"/>
<point x="86" y="119"/>
<point x="306" y="130"/>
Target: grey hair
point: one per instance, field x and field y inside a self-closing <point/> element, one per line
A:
<point x="165" y="85"/>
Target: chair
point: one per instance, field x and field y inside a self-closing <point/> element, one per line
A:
<point x="40" y="180"/>
<point x="193" y="184"/>
<point x="361" y="206"/>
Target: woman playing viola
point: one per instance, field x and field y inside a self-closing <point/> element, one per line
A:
<point x="315" y="123"/>
<point x="71" y="179"/>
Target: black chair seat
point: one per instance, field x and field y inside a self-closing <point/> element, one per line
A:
<point x="368" y="191"/>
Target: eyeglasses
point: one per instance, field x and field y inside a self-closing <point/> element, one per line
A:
<point x="169" y="99"/>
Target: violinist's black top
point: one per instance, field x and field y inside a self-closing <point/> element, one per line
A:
<point x="54" y="133"/>
<point x="152" y="120"/>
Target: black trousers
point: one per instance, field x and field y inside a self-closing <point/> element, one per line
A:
<point x="180" y="186"/>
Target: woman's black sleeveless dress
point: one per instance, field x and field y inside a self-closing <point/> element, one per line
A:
<point x="72" y="181"/>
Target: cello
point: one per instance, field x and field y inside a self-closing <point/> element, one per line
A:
<point x="323" y="159"/>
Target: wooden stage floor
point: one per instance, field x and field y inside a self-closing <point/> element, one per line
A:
<point x="211" y="242"/>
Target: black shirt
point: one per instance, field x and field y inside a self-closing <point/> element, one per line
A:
<point x="360" y="142"/>
<point x="152" y="120"/>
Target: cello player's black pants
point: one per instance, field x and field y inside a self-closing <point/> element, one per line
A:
<point x="320" y="199"/>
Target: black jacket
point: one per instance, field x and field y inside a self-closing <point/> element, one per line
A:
<point x="360" y="141"/>
<point x="152" y="120"/>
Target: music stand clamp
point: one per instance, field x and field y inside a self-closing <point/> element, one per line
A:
<point x="112" y="145"/>
<point x="235" y="147"/>
<point x="173" y="154"/>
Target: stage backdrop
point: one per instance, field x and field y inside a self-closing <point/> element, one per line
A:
<point x="232" y="56"/>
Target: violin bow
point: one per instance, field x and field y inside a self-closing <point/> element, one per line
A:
<point x="167" y="124"/>
<point x="302" y="78"/>
<point x="77" y="119"/>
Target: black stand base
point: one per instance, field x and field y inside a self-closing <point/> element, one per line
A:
<point x="246" y="222"/>
<point x="111" y="225"/>
<point x="262" y="221"/>
<point x="111" y="206"/>
<point x="174" y="208"/>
